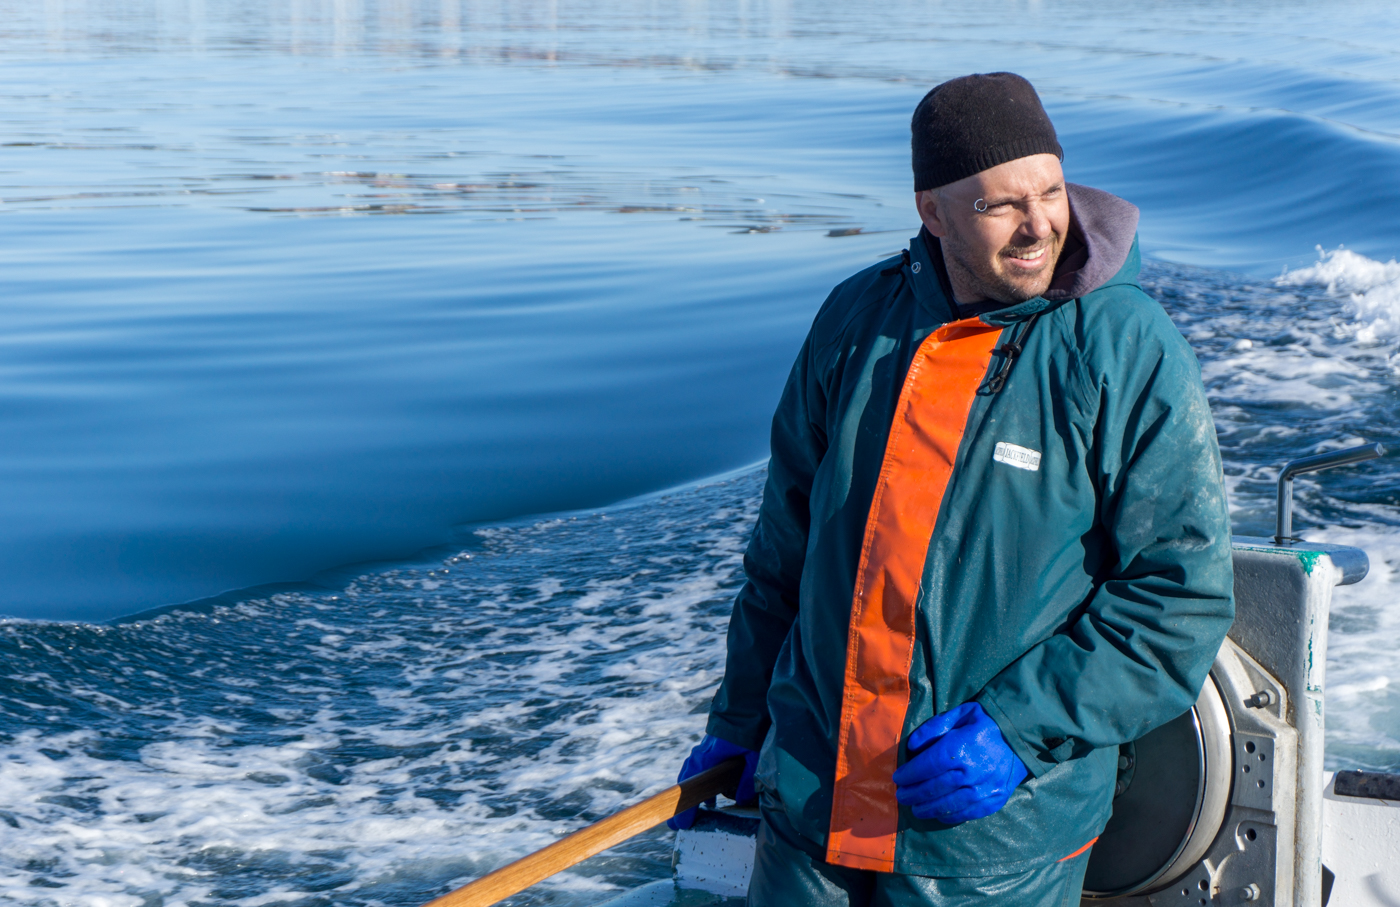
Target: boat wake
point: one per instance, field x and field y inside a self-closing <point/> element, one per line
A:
<point x="421" y="726"/>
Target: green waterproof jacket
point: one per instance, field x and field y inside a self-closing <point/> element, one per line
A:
<point x="1080" y="603"/>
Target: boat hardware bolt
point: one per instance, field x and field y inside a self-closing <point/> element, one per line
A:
<point x="1283" y="528"/>
<point x="1260" y="699"/>
<point x="1249" y="892"/>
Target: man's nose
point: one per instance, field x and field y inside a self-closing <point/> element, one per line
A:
<point x="1035" y="225"/>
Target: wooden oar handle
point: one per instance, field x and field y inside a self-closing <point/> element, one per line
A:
<point x="596" y="838"/>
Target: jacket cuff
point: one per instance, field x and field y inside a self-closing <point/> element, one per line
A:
<point x="1037" y="761"/>
<point x="747" y="737"/>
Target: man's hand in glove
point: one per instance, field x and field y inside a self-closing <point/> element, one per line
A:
<point x="962" y="768"/>
<point x="707" y="754"/>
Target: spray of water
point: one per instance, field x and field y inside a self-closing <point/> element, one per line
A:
<point x="1370" y="288"/>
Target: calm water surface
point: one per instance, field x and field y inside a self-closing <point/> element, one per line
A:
<point x="290" y="286"/>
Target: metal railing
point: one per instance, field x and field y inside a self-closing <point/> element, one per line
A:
<point x="1283" y="528"/>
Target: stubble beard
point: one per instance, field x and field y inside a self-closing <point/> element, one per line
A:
<point x="995" y="285"/>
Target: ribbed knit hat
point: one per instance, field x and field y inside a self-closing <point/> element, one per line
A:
<point x="972" y="123"/>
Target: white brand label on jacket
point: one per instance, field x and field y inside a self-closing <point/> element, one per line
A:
<point x="1014" y="455"/>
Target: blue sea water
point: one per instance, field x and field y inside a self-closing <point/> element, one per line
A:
<point x="297" y="285"/>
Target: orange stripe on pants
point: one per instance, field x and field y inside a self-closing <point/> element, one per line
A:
<point x="928" y="426"/>
<point x="1079" y="851"/>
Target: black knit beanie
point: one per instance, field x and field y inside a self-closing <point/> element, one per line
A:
<point x="972" y="123"/>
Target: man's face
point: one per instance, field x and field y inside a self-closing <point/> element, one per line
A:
<point x="1008" y="251"/>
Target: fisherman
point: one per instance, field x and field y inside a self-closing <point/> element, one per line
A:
<point x="993" y="543"/>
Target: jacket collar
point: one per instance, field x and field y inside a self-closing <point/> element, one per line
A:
<point x="922" y="274"/>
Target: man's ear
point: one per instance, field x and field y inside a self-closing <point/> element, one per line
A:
<point x="927" y="201"/>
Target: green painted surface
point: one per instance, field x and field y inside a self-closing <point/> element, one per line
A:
<point x="1308" y="559"/>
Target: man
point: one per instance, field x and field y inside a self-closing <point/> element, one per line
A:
<point x="993" y="544"/>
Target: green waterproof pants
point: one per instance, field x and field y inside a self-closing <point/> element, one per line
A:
<point x="789" y="872"/>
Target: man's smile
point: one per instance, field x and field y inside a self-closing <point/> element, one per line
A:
<point x="1028" y="260"/>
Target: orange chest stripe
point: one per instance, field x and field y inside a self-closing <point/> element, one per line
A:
<point x="928" y="426"/>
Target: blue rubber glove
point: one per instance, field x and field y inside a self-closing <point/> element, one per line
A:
<point x="962" y="770"/>
<point x="707" y="754"/>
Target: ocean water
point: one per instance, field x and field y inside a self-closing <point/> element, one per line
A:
<point x="312" y="307"/>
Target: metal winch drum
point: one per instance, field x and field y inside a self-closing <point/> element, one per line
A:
<point x="1171" y="798"/>
<point x="1207" y="806"/>
<point x="1227" y="764"/>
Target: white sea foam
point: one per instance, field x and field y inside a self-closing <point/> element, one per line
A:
<point x="1362" y="658"/>
<point x="1371" y="289"/>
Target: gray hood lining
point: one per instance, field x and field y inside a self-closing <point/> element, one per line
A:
<point x="1102" y="228"/>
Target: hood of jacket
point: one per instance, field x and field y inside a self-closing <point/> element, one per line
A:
<point x="1103" y="228"/>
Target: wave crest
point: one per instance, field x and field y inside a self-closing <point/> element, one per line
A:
<point x="1371" y="289"/>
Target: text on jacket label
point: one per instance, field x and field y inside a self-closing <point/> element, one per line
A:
<point x="1015" y="455"/>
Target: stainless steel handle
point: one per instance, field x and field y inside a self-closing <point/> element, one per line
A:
<point x="1283" y="528"/>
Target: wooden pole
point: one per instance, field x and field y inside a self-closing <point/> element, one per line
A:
<point x="596" y="838"/>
